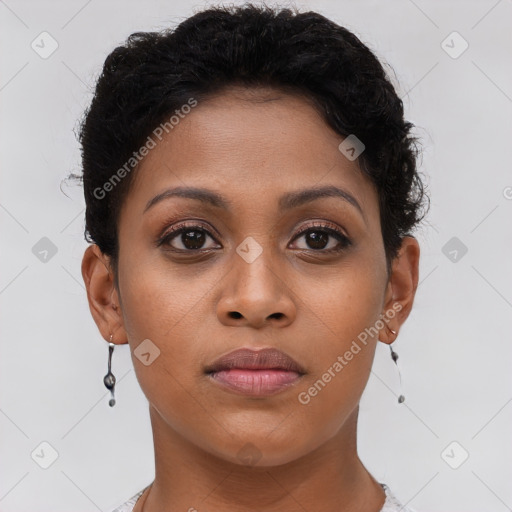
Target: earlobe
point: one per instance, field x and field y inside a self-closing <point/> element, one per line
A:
<point x="388" y="335"/>
<point x="101" y="293"/>
<point x="401" y="289"/>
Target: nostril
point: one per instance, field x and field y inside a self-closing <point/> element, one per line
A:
<point x="235" y="314"/>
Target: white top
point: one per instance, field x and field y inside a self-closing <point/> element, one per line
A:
<point x="390" y="505"/>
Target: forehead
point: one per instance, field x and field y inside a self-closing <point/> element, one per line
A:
<point x="249" y="143"/>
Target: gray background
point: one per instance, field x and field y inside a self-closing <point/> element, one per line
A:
<point x="455" y="349"/>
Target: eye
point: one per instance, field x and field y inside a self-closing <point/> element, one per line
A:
<point x="317" y="237"/>
<point x="190" y="237"/>
<point x="320" y="236"/>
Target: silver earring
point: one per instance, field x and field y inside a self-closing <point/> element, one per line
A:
<point x="109" y="380"/>
<point x="394" y="356"/>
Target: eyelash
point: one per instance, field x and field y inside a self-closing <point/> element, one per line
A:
<point x="326" y="227"/>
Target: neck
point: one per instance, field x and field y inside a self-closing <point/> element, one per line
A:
<point x="330" y="478"/>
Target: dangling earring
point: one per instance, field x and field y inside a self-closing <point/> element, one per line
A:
<point x="109" y="380"/>
<point x="394" y="356"/>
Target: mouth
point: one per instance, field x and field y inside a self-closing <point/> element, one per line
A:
<point x="255" y="373"/>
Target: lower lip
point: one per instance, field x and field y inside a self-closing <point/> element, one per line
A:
<point x="256" y="382"/>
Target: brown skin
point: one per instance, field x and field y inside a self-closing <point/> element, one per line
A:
<point x="252" y="152"/>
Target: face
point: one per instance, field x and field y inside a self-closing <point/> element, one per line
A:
<point x="259" y="266"/>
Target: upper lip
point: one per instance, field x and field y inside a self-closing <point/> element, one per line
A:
<point x="264" y="359"/>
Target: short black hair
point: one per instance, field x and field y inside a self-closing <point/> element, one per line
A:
<point x="153" y="74"/>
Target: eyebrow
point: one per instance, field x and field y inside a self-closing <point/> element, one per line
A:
<point x="286" y="202"/>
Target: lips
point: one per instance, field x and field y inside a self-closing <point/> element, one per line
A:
<point x="248" y="359"/>
<point x="258" y="374"/>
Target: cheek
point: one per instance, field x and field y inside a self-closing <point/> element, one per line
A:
<point x="170" y="310"/>
<point x="161" y="301"/>
<point x="340" y="319"/>
<point x="341" y="303"/>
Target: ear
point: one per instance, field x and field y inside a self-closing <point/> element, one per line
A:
<point x="401" y="289"/>
<point x="102" y="295"/>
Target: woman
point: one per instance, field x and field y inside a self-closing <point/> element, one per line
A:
<point x="251" y="188"/>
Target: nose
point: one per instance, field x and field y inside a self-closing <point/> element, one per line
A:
<point x="256" y="294"/>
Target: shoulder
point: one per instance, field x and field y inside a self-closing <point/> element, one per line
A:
<point x="127" y="506"/>
<point x="392" y="504"/>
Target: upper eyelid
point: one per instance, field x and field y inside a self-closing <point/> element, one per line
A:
<point x="327" y="225"/>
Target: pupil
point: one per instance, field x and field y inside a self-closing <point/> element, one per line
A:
<point x="319" y="240"/>
<point x="195" y="241"/>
